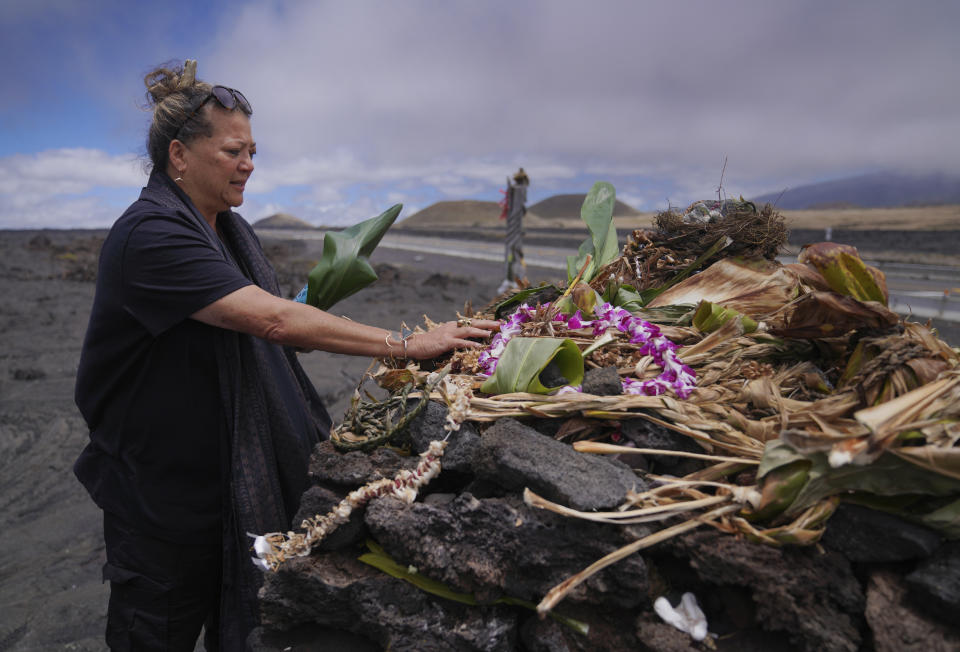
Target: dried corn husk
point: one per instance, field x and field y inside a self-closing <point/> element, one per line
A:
<point x="844" y="272"/>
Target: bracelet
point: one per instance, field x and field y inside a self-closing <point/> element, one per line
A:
<point x="405" y="334"/>
<point x="386" y="340"/>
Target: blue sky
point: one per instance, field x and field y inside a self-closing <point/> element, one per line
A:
<point x="359" y="105"/>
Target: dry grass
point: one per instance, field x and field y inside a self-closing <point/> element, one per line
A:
<point x="930" y="218"/>
<point x="921" y="218"/>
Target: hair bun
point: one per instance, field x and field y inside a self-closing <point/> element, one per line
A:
<point x="169" y="79"/>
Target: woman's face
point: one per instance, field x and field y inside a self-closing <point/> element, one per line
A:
<point x="217" y="168"/>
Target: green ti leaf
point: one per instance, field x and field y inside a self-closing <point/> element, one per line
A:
<point x="378" y="558"/>
<point x="503" y="308"/>
<point x="887" y="476"/>
<point x="711" y="316"/>
<point x="601" y="245"/>
<point x="525" y="357"/>
<point x="344" y="267"/>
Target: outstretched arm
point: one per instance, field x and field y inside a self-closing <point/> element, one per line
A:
<point x="256" y="312"/>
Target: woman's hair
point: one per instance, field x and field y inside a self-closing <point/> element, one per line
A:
<point x="173" y="93"/>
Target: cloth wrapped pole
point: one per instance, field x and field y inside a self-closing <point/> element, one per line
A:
<point x="516" y="209"/>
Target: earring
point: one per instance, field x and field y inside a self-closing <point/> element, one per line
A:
<point x="180" y="178"/>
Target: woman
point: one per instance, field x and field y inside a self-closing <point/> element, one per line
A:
<point x="201" y="419"/>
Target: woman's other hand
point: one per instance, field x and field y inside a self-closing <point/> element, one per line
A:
<point x="450" y="335"/>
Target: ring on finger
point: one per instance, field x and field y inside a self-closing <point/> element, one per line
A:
<point x="464" y="321"/>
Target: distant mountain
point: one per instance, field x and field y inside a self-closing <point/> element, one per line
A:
<point x="565" y="206"/>
<point x="282" y="221"/>
<point x="466" y="212"/>
<point x="475" y="213"/>
<point x="879" y="190"/>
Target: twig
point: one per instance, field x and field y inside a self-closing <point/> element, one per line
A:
<point x="612" y="449"/>
<point x="631" y="517"/>
<point x="720" y="187"/>
<point x="560" y="591"/>
<point x="777" y="201"/>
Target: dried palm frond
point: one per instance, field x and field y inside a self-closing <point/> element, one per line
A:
<point x="753" y="287"/>
<point x="887" y="420"/>
<point x="828" y="314"/>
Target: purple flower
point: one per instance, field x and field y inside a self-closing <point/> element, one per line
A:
<point x="577" y="321"/>
<point x="676" y="376"/>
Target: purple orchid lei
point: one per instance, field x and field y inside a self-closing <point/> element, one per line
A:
<point x="676" y="375"/>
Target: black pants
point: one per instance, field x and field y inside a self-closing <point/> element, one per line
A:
<point x="161" y="593"/>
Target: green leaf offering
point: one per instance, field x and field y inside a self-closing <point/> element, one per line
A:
<point x="889" y="476"/>
<point x="344" y="268"/>
<point x="534" y="295"/>
<point x="711" y="316"/>
<point x="581" y="297"/>
<point x="379" y="559"/>
<point x="845" y="273"/>
<point x="525" y="359"/>
<point x="602" y="245"/>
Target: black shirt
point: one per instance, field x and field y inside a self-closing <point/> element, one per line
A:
<point x="148" y="383"/>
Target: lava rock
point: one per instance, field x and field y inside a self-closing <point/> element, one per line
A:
<point x="896" y="626"/>
<point x="428" y="426"/>
<point x="28" y="374"/>
<point x="606" y="633"/>
<point x="516" y="456"/>
<point x="308" y="637"/>
<point x="335" y="590"/>
<point x="546" y="636"/>
<point x="813" y="597"/>
<point x="604" y="381"/>
<point x="935" y="583"/>
<point x="661" y="637"/>
<point x="502" y="547"/>
<point x="551" y="376"/>
<point x="319" y="501"/>
<point x="443" y="281"/>
<point x="355" y="468"/>
<point x="867" y="535"/>
<point x="645" y="434"/>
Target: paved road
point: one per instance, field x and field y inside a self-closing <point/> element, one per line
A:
<point x="923" y="291"/>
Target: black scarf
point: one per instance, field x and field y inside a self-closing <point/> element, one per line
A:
<point x="265" y="459"/>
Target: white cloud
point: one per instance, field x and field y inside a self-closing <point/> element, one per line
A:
<point x="366" y="101"/>
<point x="65" y="188"/>
<point x="68" y="171"/>
<point x="785" y="92"/>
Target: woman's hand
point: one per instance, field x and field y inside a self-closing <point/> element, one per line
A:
<point x="256" y="312"/>
<point x="450" y="335"/>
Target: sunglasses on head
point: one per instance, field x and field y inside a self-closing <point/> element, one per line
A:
<point x="229" y="98"/>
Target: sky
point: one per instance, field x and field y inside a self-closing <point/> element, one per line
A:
<point x="359" y="105"/>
